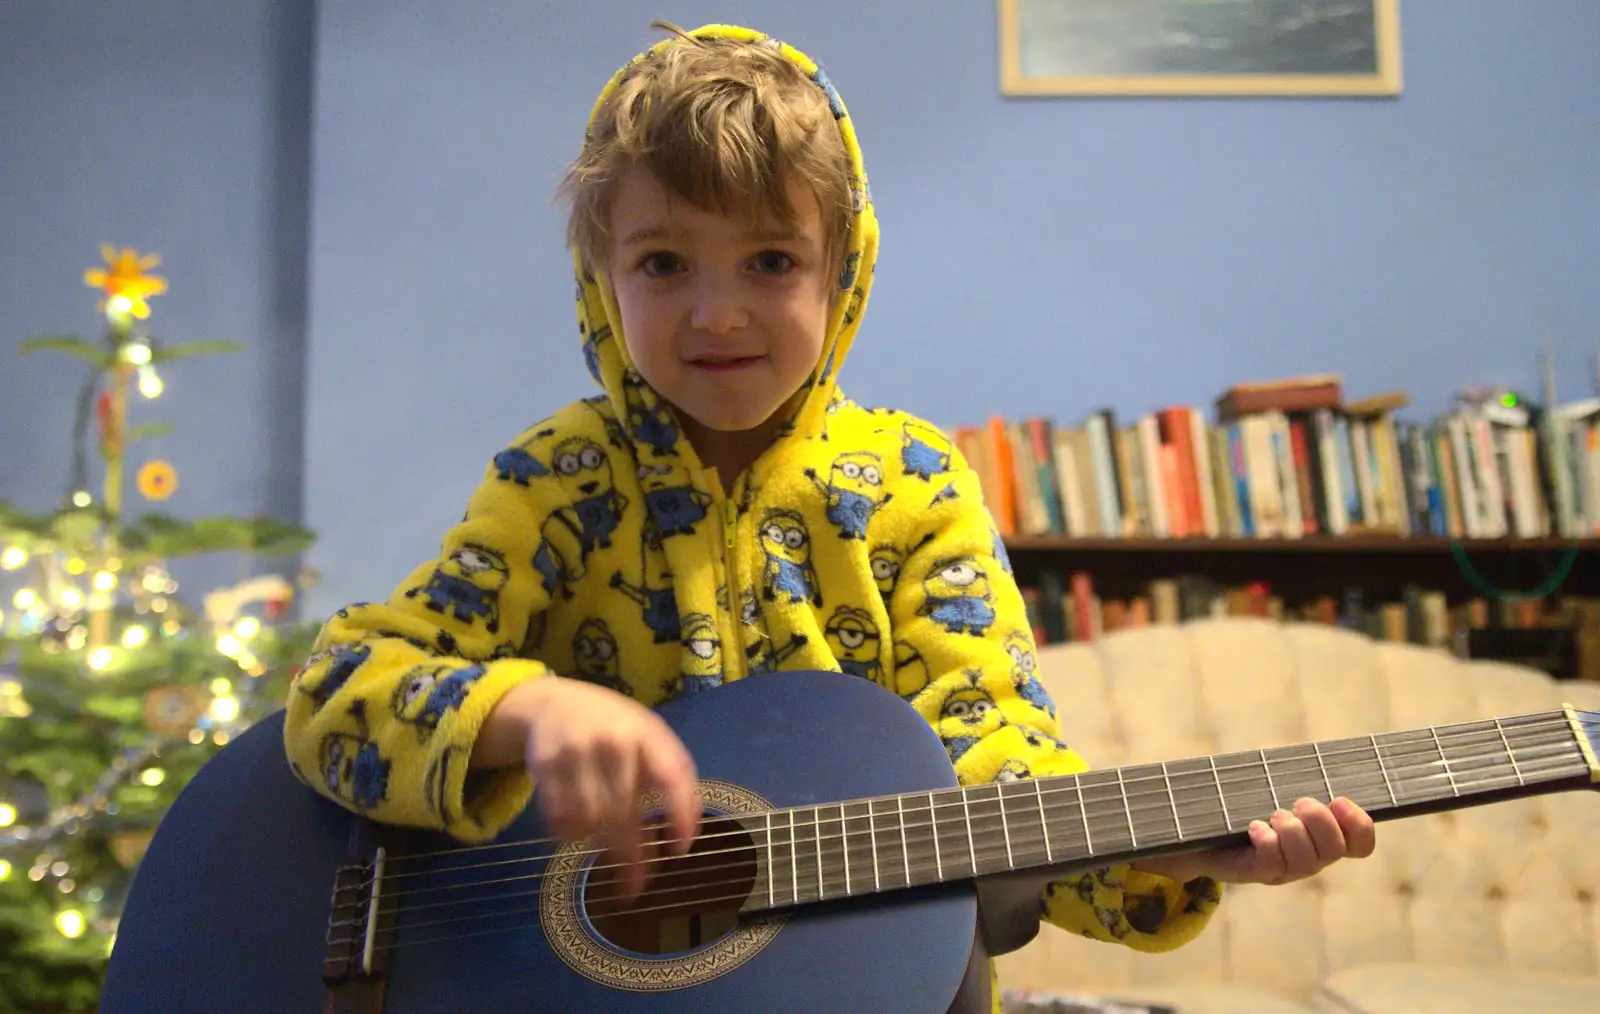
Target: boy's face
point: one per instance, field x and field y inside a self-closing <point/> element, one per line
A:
<point x="723" y="320"/>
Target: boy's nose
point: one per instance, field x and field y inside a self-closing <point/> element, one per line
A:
<point x="717" y="310"/>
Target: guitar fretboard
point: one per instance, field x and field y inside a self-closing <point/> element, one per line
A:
<point x="866" y="846"/>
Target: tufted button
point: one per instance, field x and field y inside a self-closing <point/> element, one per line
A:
<point x="1317" y="885"/>
<point x="1496" y="893"/>
<point x="1447" y="819"/>
<point x="1538" y="824"/>
<point x="1585" y="896"/>
<point x="1405" y="889"/>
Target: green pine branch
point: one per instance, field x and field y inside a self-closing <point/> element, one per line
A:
<point x="99" y="355"/>
<point x="186" y="349"/>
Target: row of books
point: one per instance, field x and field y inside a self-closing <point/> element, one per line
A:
<point x="1289" y="458"/>
<point x="1560" y="635"/>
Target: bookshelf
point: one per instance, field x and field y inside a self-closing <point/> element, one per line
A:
<point x="1311" y="566"/>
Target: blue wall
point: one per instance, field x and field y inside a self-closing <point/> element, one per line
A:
<point x="180" y="127"/>
<point x="1040" y="255"/>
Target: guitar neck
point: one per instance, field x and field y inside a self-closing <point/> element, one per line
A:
<point x="868" y="846"/>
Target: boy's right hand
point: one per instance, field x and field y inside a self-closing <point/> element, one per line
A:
<point x="592" y="753"/>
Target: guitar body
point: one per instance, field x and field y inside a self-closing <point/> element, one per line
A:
<point x="230" y="907"/>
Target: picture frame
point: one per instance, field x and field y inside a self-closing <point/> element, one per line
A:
<point x="1319" y="48"/>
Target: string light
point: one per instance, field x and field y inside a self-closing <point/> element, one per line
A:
<point x="76" y="566"/>
<point x="5" y="870"/>
<point x="225" y="709"/>
<point x="149" y="383"/>
<point x="221" y="686"/>
<point x="247" y="628"/>
<point x="135" y="637"/>
<point x="228" y="645"/>
<point x="82" y="498"/>
<point x="105" y="581"/>
<point x="136" y="353"/>
<point x="99" y="658"/>
<point x="69" y="922"/>
<point x="152" y="777"/>
<point x="72" y="598"/>
<point x="8" y="815"/>
<point x="24" y="598"/>
<point x="13" y="557"/>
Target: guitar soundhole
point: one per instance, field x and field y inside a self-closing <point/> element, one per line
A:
<point x="687" y="902"/>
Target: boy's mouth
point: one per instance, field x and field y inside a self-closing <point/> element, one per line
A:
<point x="724" y="364"/>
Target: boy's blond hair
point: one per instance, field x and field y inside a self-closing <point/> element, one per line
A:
<point x="722" y="124"/>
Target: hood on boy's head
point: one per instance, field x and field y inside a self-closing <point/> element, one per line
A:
<point x="646" y="417"/>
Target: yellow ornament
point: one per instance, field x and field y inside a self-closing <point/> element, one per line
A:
<point x="124" y="280"/>
<point x="157" y="480"/>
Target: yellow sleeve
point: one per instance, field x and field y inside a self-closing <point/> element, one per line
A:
<point x="959" y="619"/>
<point x="383" y="717"/>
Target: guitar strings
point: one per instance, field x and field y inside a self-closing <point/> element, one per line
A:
<point x="921" y="869"/>
<point x="1027" y="797"/>
<point x="1363" y="746"/>
<point x="1535" y="767"/>
<point x="868" y="837"/>
<point x="985" y="820"/>
<point x="1026" y="793"/>
<point x="831" y="867"/>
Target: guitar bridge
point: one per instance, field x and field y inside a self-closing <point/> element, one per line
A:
<point x="360" y="918"/>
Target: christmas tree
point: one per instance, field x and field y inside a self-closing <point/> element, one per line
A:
<point x="114" y="690"/>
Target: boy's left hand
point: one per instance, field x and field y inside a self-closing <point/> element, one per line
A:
<point x="1292" y="846"/>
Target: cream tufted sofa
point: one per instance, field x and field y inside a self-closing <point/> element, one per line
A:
<point x="1483" y="910"/>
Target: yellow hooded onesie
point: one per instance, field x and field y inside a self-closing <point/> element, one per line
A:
<point x="597" y="547"/>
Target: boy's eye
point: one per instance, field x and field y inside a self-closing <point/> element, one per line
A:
<point x="660" y="263"/>
<point x="774" y="262"/>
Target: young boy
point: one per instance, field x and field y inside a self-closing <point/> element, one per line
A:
<point x="722" y="511"/>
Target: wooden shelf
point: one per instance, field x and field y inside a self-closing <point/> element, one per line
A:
<point x="1383" y="566"/>
<point x="1308" y="544"/>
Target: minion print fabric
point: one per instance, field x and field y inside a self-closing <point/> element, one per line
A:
<point x="598" y="548"/>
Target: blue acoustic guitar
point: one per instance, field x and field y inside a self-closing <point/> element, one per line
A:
<point x="839" y="866"/>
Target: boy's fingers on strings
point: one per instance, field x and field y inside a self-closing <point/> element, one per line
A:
<point x="625" y="848"/>
<point x="1360" y="835"/>
<point x="668" y="767"/>
<point x="1323" y="830"/>
<point x="1299" y="854"/>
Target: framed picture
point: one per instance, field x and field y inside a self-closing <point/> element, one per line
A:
<point x="1200" y="47"/>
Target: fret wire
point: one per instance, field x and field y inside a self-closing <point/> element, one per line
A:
<point x="1044" y="824"/>
<point x="1271" y="787"/>
<point x="1445" y="759"/>
<point x="844" y="843"/>
<point x="1510" y="754"/>
<point x="1122" y="791"/>
<point x="1177" y="824"/>
<point x="1005" y="825"/>
<point x="794" y="862"/>
<point x="1227" y="821"/>
<point x="1325" y="779"/>
<point x="816" y="831"/>
<point x="771" y="870"/>
<point x="872" y="832"/>
<point x="1377" y="752"/>
<point x="933" y="824"/>
<point x="1083" y="810"/>
<point x="905" y="850"/>
<point x="966" y="811"/>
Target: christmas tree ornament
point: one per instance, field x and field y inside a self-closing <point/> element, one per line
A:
<point x="157" y="479"/>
